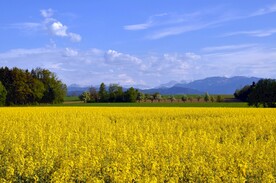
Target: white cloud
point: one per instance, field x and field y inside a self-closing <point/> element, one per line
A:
<point x="264" y="11"/>
<point x="58" y="29"/>
<point x="74" y="37"/>
<point x="27" y="26"/>
<point x="69" y="52"/>
<point x="169" y="24"/>
<point x="253" y="33"/>
<point x="125" y="79"/>
<point x="113" y="56"/>
<point x="162" y="19"/>
<point x="137" y="26"/>
<point x="177" y="30"/>
<point x="228" y="47"/>
<point x="47" y="13"/>
<point x="151" y="22"/>
<point x="49" y="24"/>
<point x="173" y="24"/>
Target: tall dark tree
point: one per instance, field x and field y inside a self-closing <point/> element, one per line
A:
<point x="20" y="89"/>
<point x="206" y="97"/>
<point x="264" y="93"/>
<point x="94" y="96"/>
<point x="131" y="95"/>
<point x="116" y="93"/>
<point x="5" y="78"/>
<point x="243" y="93"/>
<point x="120" y="94"/>
<point x="3" y="94"/>
<point x="103" y="95"/>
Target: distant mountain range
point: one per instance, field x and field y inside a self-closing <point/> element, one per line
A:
<point x="220" y="85"/>
<point x="175" y="90"/>
<point x="212" y="85"/>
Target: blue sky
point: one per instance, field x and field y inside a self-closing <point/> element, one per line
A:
<point x="140" y="43"/>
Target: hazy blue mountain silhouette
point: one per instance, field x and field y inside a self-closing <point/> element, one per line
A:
<point x="175" y="90"/>
<point x="212" y="85"/>
<point x="220" y="85"/>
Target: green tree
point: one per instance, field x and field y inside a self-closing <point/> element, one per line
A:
<point x="20" y="86"/>
<point x="116" y="93"/>
<point x="264" y="93"/>
<point x="103" y="95"/>
<point x="60" y="92"/>
<point x="212" y="99"/>
<point x="3" y="94"/>
<point x="151" y="98"/>
<point x="85" y="97"/>
<point x="206" y="97"/>
<point x="55" y="90"/>
<point x="20" y="89"/>
<point x="198" y="97"/>
<point x="24" y="87"/>
<point x="219" y="98"/>
<point x="148" y="96"/>
<point x="94" y="96"/>
<point x="140" y="96"/>
<point x="172" y="98"/>
<point x="37" y="90"/>
<point x="184" y="98"/>
<point x="243" y="94"/>
<point x="131" y="95"/>
<point x="157" y="96"/>
<point x="6" y="79"/>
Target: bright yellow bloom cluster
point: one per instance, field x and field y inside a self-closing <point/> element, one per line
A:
<point x="78" y="144"/>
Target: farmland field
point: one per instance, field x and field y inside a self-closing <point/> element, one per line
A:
<point x="120" y="144"/>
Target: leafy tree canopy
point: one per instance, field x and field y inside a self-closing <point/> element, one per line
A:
<point x="263" y="93"/>
<point x="38" y="86"/>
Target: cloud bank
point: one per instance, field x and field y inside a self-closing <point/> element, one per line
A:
<point x="91" y="67"/>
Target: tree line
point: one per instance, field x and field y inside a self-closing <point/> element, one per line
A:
<point x="114" y="93"/>
<point x="261" y="94"/>
<point x="23" y="87"/>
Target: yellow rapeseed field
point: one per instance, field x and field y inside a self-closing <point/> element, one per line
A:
<point x="79" y="144"/>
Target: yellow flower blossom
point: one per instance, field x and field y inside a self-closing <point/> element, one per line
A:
<point x="83" y="144"/>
